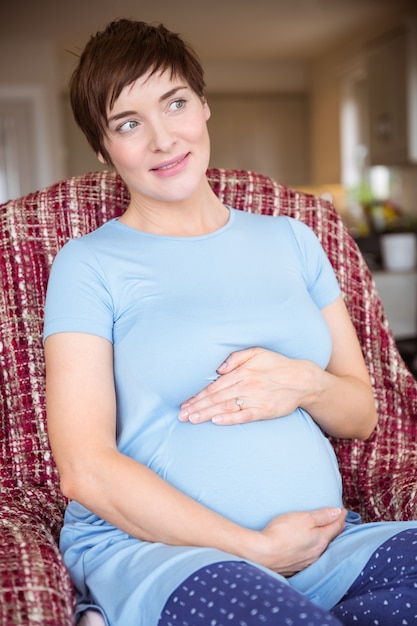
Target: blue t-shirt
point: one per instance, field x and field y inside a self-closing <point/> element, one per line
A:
<point x="174" y="309"/>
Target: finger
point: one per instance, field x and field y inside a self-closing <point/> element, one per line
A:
<point x="235" y="359"/>
<point x="227" y="412"/>
<point x="327" y="533"/>
<point x="327" y="515"/>
<point x="239" y="417"/>
<point x="210" y="407"/>
<point x="210" y="394"/>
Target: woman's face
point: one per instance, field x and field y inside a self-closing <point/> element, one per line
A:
<point x="157" y="138"/>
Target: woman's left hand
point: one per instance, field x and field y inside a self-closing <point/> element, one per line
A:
<point x="254" y="384"/>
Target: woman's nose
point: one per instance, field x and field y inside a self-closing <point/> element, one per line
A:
<point x="162" y="136"/>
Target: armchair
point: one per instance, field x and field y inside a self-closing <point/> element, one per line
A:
<point x="379" y="475"/>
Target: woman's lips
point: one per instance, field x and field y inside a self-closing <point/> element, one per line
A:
<point x="173" y="166"/>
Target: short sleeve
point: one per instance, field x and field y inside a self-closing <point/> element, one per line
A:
<point x="78" y="298"/>
<point x="318" y="272"/>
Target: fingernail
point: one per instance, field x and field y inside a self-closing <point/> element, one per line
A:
<point x="194" y="417"/>
<point x="218" y="419"/>
<point x="183" y="416"/>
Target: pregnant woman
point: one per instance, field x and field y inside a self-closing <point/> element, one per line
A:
<point x="196" y="357"/>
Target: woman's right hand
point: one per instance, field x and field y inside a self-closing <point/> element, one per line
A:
<point x="293" y="541"/>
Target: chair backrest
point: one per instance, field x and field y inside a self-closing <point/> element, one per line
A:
<point x="34" y="228"/>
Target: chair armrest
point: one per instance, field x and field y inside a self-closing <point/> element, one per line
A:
<point x="394" y="496"/>
<point x="35" y="587"/>
<point x="380" y="474"/>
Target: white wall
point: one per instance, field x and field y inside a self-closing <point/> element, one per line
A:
<point x="29" y="71"/>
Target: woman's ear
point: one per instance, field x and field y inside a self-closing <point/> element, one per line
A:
<point x="101" y="158"/>
<point x="206" y="109"/>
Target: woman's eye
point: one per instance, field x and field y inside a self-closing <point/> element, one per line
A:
<point x="178" y="104"/>
<point x="130" y="125"/>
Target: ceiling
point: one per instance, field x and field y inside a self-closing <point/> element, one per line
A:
<point x="218" y="29"/>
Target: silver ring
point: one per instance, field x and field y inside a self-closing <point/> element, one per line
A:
<point x="239" y="402"/>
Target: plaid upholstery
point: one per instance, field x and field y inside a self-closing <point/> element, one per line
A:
<point x="379" y="475"/>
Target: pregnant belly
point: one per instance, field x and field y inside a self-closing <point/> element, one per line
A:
<point x="253" y="472"/>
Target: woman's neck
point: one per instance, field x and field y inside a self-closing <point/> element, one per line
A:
<point x="188" y="218"/>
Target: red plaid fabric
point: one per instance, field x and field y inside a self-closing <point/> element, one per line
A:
<point x="379" y="475"/>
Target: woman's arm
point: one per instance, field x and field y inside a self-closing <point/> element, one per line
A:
<point x="81" y="409"/>
<point x="270" y="385"/>
<point x="343" y="403"/>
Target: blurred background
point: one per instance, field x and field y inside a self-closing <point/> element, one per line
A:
<point x="319" y="94"/>
<point x="287" y="80"/>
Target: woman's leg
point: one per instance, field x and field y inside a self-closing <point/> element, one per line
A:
<point x="385" y="592"/>
<point x="234" y="593"/>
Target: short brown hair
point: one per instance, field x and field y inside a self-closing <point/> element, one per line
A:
<point x="115" y="58"/>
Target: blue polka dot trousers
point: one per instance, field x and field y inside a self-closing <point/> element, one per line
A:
<point x="234" y="593"/>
